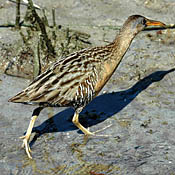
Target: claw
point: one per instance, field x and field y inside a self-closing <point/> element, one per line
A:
<point x="26" y="137"/>
<point x="26" y="145"/>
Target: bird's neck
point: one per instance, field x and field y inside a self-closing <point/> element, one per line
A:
<point x="118" y="49"/>
<point x="121" y="44"/>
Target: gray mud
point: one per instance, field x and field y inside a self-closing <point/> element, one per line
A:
<point x="138" y="101"/>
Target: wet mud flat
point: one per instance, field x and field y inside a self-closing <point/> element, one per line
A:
<point x="138" y="102"/>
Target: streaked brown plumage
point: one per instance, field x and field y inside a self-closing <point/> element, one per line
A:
<point x="75" y="80"/>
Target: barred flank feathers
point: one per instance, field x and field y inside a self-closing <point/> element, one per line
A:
<point x="70" y="79"/>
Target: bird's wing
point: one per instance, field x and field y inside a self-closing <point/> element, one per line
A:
<point x="70" y="79"/>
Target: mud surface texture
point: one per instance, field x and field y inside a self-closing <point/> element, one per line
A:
<point x="138" y="101"/>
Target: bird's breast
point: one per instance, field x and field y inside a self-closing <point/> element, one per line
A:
<point x="105" y="73"/>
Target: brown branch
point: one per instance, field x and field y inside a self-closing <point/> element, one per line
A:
<point x="17" y="22"/>
<point x="43" y="29"/>
<point x="37" y="64"/>
<point x="44" y="19"/>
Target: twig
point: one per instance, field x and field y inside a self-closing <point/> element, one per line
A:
<point x="37" y="64"/>
<point x="26" y="4"/>
<point x="43" y="30"/>
<point x="17" y="14"/>
<point x="54" y="36"/>
<point x="45" y="20"/>
<point x="53" y="17"/>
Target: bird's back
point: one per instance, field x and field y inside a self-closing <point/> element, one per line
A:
<point x="71" y="81"/>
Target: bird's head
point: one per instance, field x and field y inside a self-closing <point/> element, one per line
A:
<point x="137" y="23"/>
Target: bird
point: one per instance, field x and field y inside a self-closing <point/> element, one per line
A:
<point x="76" y="79"/>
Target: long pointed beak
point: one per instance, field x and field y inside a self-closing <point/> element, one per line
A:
<point x="154" y="23"/>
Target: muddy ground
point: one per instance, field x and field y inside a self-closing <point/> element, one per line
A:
<point x="138" y="101"/>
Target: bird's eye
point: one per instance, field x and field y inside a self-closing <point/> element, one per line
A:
<point x="144" y="21"/>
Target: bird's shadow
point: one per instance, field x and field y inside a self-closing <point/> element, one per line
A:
<point x="101" y="108"/>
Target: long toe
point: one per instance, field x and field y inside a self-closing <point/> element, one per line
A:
<point x="95" y="133"/>
<point x="26" y="145"/>
<point x="27" y="148"/>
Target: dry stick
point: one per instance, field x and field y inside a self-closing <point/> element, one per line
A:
<point x="43" y="29"/>
<point x="54" y="36"/>
<point x="25" y="4"/>
<point x="53" y="17"/>
<point x="44" y="19"/>
<point x="17" y="14"/>
<point x="14" y="25"/>
<point x="37" y="64"/>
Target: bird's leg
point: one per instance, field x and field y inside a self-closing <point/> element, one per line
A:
<point x="75" y="120"/>
<point x="26" y="137"/>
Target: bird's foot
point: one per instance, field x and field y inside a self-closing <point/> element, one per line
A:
<point x="26" y="145"/>
<point x="94" y="133"/>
